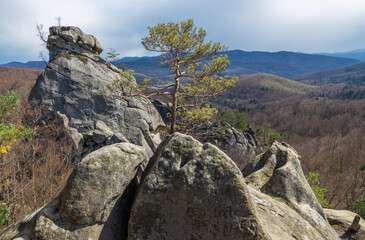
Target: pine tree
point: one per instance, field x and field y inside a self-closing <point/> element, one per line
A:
<point x="185" y="53"/>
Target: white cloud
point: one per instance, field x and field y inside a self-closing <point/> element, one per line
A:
<point x="296" y="25"/>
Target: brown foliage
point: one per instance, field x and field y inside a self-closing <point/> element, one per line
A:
<point x="34" y="171"/>
<point x="329" y="135"/>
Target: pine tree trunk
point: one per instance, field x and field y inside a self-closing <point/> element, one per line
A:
<point x="174" y="106"/>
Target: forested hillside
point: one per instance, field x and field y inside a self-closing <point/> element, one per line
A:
<point x="320" y="122"/>
<point x="329" y="135"/>
<point x="256" y="91"/>
<point x="34" y="171"/>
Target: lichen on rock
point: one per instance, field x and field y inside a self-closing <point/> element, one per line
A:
<point x="73" y="84"/>
<point x="193" y="191"/>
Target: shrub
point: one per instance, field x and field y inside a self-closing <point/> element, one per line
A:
<point x="267" y="136"/>
<point x="9" y="133"/>
<point x="358" y="207"/>
<point x="236" y="120"/>
<point x="3" y="214"/>
<point x="313" y="181"/>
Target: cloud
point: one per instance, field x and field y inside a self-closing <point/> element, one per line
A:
<point x="295" y="25"/>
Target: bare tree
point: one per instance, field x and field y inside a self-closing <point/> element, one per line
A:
<point x="58" y="19"/>
<point x="41" y="33"/>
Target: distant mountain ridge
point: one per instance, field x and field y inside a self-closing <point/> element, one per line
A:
<point x="30" y="64"/>
<point x="128" y="59"/>
<point x="284" y="64"/>
<point x="353" y="74"/>
<point x="358" y="54"/>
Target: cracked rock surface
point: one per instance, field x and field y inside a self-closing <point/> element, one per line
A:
<point x="72" y="85"/>
<point x="278" y="174"/>
<point x="193" y="191"/>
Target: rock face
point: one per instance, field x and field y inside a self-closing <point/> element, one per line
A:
<point x="345" y="223"/>
<point x="241" y="144"/>
<point x="193" y="191"/>
<point x="278" y="173"/>
<point x="95" y="202"/>
<point x="72" y="84"/>
<point x="98" y="181"/>
<point x="282" y="222"/>
<point x="63" y="38"/>
<point x="189" y="191"/>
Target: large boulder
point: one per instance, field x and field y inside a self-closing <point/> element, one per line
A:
<point x="193" y="191"/>
<point x="278" y="173"/>
<point x="72" y="85"/>
<point x="95" y="203"/>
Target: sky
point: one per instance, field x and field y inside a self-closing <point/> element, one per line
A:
<point x="309" y="26"/>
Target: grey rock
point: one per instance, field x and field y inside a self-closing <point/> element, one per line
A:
<point x="98" y="181"/>
<point x="241" y="146"/>
<point x="87" y="41"/>
<point x="163" y="109"/>
<point x="74" y="87"/>
<point x="47" y="223"/>
<point x="262" y="170"/>
<point x="193" y="191"/>
<point x="278" y="173"/>
<point x="342" y="217"/>
<point x="72" y="39"/>
<point x="76" y="137"/>
<point x="341" y="220"/>
<point x="284" y="223"/>
<point x="95" y="203"/>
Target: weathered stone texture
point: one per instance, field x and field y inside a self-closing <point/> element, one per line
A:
<point x="72" y="84"/>
<point x="193" y="191"/>
<point x="95" y="203"/>
<point x="278" y="173"/>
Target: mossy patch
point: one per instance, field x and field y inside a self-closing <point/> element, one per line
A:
<point x="81" y="58"/>
<point x="66" y="55"/>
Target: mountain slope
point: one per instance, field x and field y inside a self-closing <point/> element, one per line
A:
<point x="353" y="74"/>
<point x="257" y="90"/>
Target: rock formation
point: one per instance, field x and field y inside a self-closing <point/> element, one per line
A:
<point x="189" y="190"/>
<point x="71" y="39"/>
<point x="193" y="191"/>
<point x="72" y="84"/>
<point x="278" y="174"/>
<point x="241" y="144"/>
